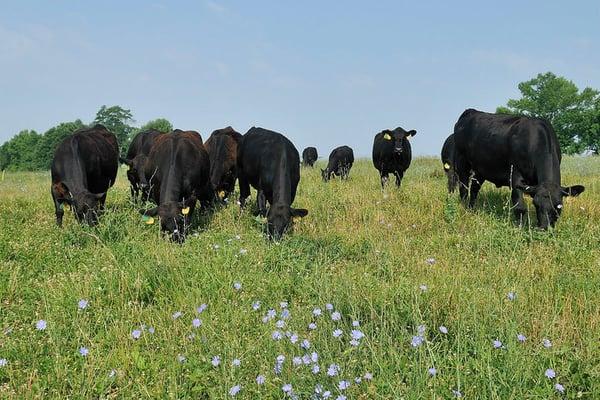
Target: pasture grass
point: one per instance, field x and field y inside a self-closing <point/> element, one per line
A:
<point x="366" y="251"/>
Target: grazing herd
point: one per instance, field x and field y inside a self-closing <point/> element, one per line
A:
<point x="176" y="170"/>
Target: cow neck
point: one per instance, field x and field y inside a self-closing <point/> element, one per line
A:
<point x="75" y="177"/>
<point x="170" y="188"/>
<point x="282" y="187"/>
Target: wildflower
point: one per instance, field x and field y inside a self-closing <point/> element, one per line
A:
<point x="283" y="304"/>
<point x="432" y="371"/>
<point x="550" y="374"/>
<point x="521" y="338"/>
<point x="368" y="376"/>
<point x="271" y="313"/>
<point x="357" y="335"/>
<point x="314" y="357"/>
<point x="236" y="362"/>
<point x="287" y="388"/>
<point x="151" y="330"/>
<point x="196" y="322"/>
<point x="280" y="324"/>
<point x="333" y="370"/>
<point x="83" y="351"/>
<point x="216" y="360"/>
<point x="243" y="251"/>
<point x="337" y="333"/>
<point x="277" y="335"/>
<point x="177" y="314"/>
<point x="280" y="359"/>
<point x="256" y="305"/>
<point x="3" y="362"/>
<point x="421" y="330"/>
<point x="305" y="344"/>
<point x="341" y="397"/>
<point x="237" y="285"/>
<point x="312" y="326"/>
<point x="430" y="261"/>
<point x="343" y="385"/>
<point x="293" y="338"/>
<point x="297" y="361"/>
<point x="315" y="369"/>
<point x="443" y="329"/>
<point x="201" y="308"/>
<point x="355" y="324"/>
<point x="354" y="343"/>
<point x="136" y="333"/>
<point x="260" y="379"/>
<point x="497" y="344"/>
<point x="40" y="325"/>
<point x="456" y="393"/>
<point x="216" y="246"/>
<point x="317" y="312"/>
<point x="416" y="341"/>
<point x="547" y="343"/>
<point x="191" y="336"/>
<point x="329" y="307"/>
<point x="234" y="390"/>
<point x="336" y="316"/>
<point x="238" y="237"/>
<point x="318" y="388"/>
<point x="278" y="368"/>
<point x="285" y="314"/>
<point x="82" y="304"/>
<point x="306" y="359"/>
<point x="326" y="394"/>
<point x="181" y="358"/>
<point x="511" y="296"/>
<point x="112" y="373"/>
<point x="559" y="388"/>
<point x="423" y="288"/>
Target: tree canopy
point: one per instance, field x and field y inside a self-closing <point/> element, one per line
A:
<point x="159" y="124"/>
<point x="116" y="119"/>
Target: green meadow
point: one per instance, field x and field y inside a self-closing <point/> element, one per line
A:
<point x="392" y="260"/>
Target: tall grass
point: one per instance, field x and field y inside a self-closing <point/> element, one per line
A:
<point x="392" y="259"/>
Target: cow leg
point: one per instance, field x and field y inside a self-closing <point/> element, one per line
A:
<point x="261" y="200"/>
<point x="518" y="205"/>
<point x="476" y="182"/>
<point x="244" y="190"/>
<point x="399" y="175"/>
<point x="384" y="179"/>
<point x="463" y="185"/>
<point x="58" y="209"/>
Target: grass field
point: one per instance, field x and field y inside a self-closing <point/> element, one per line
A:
<point x="391" y="260"/>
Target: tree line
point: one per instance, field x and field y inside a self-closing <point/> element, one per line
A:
<point x="574" y="114"/>
<point x="29" y="150"/>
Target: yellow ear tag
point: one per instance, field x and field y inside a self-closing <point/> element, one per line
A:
<point x="185" y="211"/>
<point x="67" y="206"/>
<point x="148" y="220"/>
<point x="221" y="194"/>
<point x="387" y="136"/>
<point x="296" y="219"/>
<point x="446" y="166"/>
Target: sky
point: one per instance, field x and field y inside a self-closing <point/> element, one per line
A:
<point x="323" y="73"/>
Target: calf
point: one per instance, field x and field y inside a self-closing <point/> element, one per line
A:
<point x="269" y="162"/>
<point x="137" y="154"/>
<point x="340" y="162"/>
<point x="179" y="166"/>
<point x="448" y="163"/>
<point x="522" y="153"/>
<point x="222" y="148"/>
<point x="309" y="156"/>
<point x="392" y="153"/>
<point x="84" y="166"/>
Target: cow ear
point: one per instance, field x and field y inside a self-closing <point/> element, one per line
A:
<point x="62" y="191"/>
<point x="573" y="190"/>
<point x="299" y="212"/>
<point x="125" y="161"/>
<point x="151" y="212"/>
<point x="412" y="132"/>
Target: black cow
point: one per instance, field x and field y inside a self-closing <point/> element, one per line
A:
<point x="222" y="148"/>
<point x="448" y="163"/>
<point x="309" y="156"/>
<point x="179" y="167"/>
<point x="84" y="166"/>
<point x="137" y="154"/>
<point x="392" y="153"/>
<point x="520" y="152"/>
<point x="269" y="162"/>
<point x="340" y="162"/>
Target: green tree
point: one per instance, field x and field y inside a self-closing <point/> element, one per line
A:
<point x="159" y="124"/>
<point x="116" y="119"/>
<point x="48" y="142"/>
<point x="18" y="153"/>
<point x="560" y="102"/>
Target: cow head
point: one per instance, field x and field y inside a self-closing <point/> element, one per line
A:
<point x="326" y="174"/>
<point x="175" y="217"/>
<point x="85" y="204"/>
<point x="450" y="175"/>
<point x="135" y="173"/>
<point x="548" y="201"/>
<point x="399" y="136"/>
<point x="222" y="179"/>
<point x="280" y="217"/>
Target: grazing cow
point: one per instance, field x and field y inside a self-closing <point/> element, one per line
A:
<point x="309" y="156"/>
<point x="340" y="162"/>
<point x="84" y="166"/>
<point x="222" y="148"/>
<point x="520" y="152"/>
<point x="392" y="153"/>
<point x="137" y="154"/>
<point x="448" y="162"/>
<point x="269" y="162"/>
<point x="179" y="166"/>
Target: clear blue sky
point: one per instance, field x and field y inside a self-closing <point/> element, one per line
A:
<point x="324" y="73"/>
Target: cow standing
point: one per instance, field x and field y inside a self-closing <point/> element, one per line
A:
<point x="309" y="156"/>
<point x="448" y="162"/>
<point x="137" y="154"/>
<point x="339" y="164"/>
<point x="522" y="153"/>
<point x="392" y="153"/>
<point x="269" y="162"/>
<point x="179" y="167"/>
<point x="222" y="148"/>
<point x="84" y="167"/>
